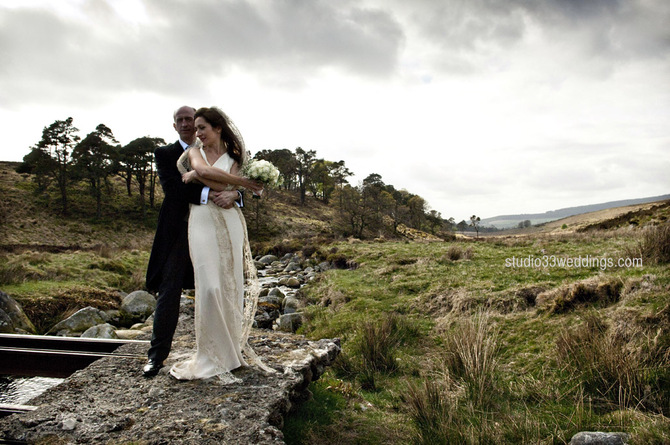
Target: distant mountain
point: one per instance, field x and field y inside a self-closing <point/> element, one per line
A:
<point x="510" y="221"/>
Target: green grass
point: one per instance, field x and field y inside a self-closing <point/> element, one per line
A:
<point x="530" y="395"/>
<point x="50" y="286"/>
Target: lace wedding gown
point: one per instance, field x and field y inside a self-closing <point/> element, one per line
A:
<point x="222" y="264"/>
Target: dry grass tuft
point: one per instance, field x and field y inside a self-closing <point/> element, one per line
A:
<point x="654" y="245"/>
<point x="471" y="356"/>
<point x="592" y="291"/>
<point x="627" y="366"/>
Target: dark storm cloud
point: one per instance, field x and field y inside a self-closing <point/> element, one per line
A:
<point x="184" y="44"/>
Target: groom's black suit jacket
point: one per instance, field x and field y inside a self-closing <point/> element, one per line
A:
<point x="173" y="216"/>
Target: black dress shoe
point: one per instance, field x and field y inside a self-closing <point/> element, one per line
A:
<point x="152" y="368"/>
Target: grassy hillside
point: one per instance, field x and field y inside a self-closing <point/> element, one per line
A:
<point x="455" y="343"/>
<point x="30" y="219"/>
<point x="631" y="216"/>
<point x="512" y="221"/>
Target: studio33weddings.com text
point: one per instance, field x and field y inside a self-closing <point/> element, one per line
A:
<point x="553" y="261"/>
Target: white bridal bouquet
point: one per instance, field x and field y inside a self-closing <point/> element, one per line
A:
<point x="262" y="171"/>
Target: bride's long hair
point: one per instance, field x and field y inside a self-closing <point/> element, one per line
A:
<point x="230" y="135"/>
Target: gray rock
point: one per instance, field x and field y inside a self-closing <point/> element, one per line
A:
<point x="12" y="318"/>
<point x="325" y="265"/>
<point x="271" y="301"/>
<point x="100" y="331"/>
<point x="69" y="423"/>
<point x="6" y="325"/>
<point x="287" y="257"/>
<point x="129" y="334"/>
<point x="293" y="282"/>
<point x="289" y="322"/>
<point x="268" y="259"/>
<point x="112" y="316"/>
<point x="79" y="322"/>
<point x="265" y="319"/>
<point x="291" y="305"/>
<point x="276" y="292"/>
<point x="292" y="267"/>
<point x="599" y="438"/>
<point x="137" y="306"/>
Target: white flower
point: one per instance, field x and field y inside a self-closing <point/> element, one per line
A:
<point x="263" y="171"/>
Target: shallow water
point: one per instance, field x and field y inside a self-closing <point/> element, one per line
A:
<point x="19" y="390"/>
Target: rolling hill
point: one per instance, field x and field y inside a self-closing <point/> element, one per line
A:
<point x="512" y="221"/>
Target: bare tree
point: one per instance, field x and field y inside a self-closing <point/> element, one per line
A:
<point x="474" y="222"/>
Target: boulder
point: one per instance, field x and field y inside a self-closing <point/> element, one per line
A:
<point x="287" y="257"/>
<point x="293" y="282"/>
<point x="270" y="301"/>
<point x="292" y="267"/>
<point x="100" y="331"/>
<point x="79" y="322"/>
<point x="12" y="318"/>
<point x="276" y="292"/>
<point x="264" y="319"/>
<point x="137" y="306"/>
<point x="291" y="305"/>
<point x="6" y="325"/>
<point x="268" y="259"/>
<point x="599" y="438"/>
<point x="129" y="334"/>
<point x="289" y="322"/>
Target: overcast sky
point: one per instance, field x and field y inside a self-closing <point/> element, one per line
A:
<point x="482" y="107"/>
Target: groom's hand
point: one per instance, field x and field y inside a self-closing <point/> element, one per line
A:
<point x="225" y="199"/>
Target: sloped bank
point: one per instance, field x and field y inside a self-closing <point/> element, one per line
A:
<point x="110" y="401"/>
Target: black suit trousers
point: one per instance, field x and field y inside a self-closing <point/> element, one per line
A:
<point x="166" y="314"/>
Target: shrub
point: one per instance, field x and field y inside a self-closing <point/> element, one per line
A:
<point x="471" y="356"/>
<point x="454" y="253"/>
<point x="379" y="343"/>
<point x="654" y="247"/>
<point x="375" y="350"/>
<point x="432" y="413"/>
<point x="628" y="368"/>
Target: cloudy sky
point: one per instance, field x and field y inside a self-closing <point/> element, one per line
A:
<point x="481" y="107"/>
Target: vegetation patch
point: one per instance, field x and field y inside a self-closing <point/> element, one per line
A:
<point x="46" y="311"/>
<point x="627" y="368"/>
<point x="594" y="291"/>
<point x="489" y="357"/>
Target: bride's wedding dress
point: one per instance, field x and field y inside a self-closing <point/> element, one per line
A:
<point x="224" y="311"/>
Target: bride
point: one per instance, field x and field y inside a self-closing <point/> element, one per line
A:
<point x="220" y="253"/>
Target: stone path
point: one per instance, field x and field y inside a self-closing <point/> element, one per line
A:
<point x="110" y="401"/>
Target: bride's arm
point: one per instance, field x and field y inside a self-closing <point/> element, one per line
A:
<point x="216" y="178"/>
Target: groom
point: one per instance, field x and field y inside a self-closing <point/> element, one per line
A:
<point x="170" y="269"/>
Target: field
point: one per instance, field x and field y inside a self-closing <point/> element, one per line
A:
<point x="526" y="337"/>
<point x="444" y="343"/>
